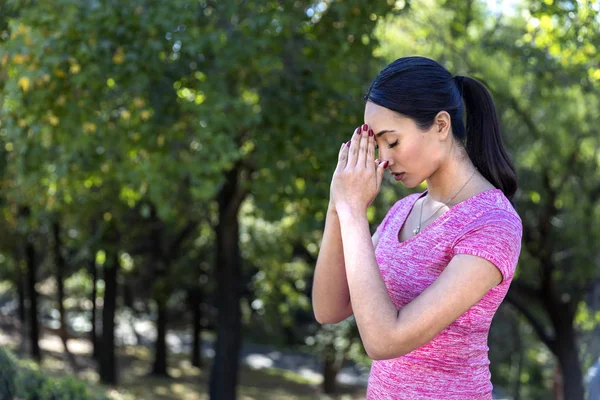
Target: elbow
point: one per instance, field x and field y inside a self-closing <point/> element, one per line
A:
<point x="323" y="318"/>
<point x="381" y="349"/>
<point x="331" y="315"/>
<point x="379" y="354"/>
<point x="376" y="353"/>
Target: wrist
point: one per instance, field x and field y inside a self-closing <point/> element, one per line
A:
<point x="347" y="212"/>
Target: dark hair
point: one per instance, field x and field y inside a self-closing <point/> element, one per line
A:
<point x="419" y="88"/>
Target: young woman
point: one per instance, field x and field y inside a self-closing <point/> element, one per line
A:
<point x="425" y="287"/>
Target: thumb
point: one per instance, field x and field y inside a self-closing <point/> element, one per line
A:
<point x="380" y="171"/>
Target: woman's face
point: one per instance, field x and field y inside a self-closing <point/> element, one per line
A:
<point x="413" y="155"/>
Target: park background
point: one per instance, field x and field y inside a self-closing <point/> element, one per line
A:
<point x="165" y="171"/>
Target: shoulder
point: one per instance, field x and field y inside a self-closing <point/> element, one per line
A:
<point x="489" y="206"/>
<point x="494" y="232"/>
<point x="489" y="220"/>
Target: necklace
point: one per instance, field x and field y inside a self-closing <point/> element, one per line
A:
<point x="418" y="228"/>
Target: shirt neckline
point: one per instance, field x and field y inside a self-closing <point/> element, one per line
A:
<point x="398" y="227"/>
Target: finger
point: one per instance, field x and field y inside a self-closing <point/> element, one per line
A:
<point x="371" y="149"/>
<point x="361" y="162"/>
<point x="354" y="147"/>
<point x="380" y="171"/>
<point x="342" y="157"/>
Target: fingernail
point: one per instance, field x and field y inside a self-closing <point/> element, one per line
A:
<point x="385" y="164"/>
<point x="348" y="143"/>
<point x="358" y="130"/>
<point x="365" y="127"/>
<point x="370" y="132"/>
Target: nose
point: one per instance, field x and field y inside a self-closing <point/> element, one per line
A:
<point x="383" y="158"/>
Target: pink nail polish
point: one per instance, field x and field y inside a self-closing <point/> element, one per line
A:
<point x="348" y="143"/>
<point x="371" y="132"/>
<point x="365" y="127"/>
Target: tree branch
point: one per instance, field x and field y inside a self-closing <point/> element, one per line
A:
<point x="537" y="326"/>
<point x="525" y="291"/>
<point x="176" y="244"/>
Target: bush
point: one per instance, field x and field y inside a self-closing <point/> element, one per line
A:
<point x="27" y="382"/>
<point x="30" y="382"/>
<point x="8" y="374"/>
<point x="64" y="389"/>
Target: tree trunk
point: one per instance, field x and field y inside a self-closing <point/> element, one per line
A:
<point x="160" y="293"/>
<point x="59" y="264"/>
<point x="558" y="390"/>
<point x="564" y="346"/>
<point x="160" y="355"/>
<point x="34" y="330"/>
<point x="20" y="285"/>
<point x="93" y="336"/>
<point x="108" y="366"/>
<point x="330" y="372"/>
<point x="516" y="359"/>
<point x="570" y="366"/>
<point x="194" y="296"/>
<point x="224" y="373"/>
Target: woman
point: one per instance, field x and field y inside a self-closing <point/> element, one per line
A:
<point x="425" y="287"/>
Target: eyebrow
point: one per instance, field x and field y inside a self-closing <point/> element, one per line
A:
<point x="383" y="132"/>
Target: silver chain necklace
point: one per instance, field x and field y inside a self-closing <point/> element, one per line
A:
<point x="418" y="228"/>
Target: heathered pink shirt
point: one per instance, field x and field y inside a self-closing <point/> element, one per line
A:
<point x="454" y="365"/>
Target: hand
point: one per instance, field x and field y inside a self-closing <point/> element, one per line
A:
<point x="358" y="176"/>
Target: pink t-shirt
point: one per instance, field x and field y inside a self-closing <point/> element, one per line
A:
<point x="454" y="364"/>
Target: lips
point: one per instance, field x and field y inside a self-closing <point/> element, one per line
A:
<point x="398" y="175"/>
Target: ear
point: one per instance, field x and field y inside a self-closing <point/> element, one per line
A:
<point x="442" y="125"/>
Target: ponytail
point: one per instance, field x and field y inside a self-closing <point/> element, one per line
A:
<point x="483" y="140"/>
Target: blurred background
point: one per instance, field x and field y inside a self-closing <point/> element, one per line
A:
<point x="164" y="178"/>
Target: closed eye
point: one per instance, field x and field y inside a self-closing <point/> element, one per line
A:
<point x="389" y="146"/>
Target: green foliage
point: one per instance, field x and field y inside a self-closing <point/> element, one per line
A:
<point x="338" y="342"/>
<point x="79" y="284"/>
<point x="8" y="374"/>
<point x="30" y="381"/>
<point x="25" y="381"/>
<point x="279" y="288"/>
<point x="64" y="389"/>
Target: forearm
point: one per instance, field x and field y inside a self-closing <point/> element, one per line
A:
<point x="330" y="294"/>
<point x="375" y="313"/>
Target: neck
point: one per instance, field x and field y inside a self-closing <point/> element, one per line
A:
<point x="449" y="179"/>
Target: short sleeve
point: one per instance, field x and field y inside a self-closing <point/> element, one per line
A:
<point x="494" y="236"/>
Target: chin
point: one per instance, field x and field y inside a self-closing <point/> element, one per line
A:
<point x="410" y="184"/>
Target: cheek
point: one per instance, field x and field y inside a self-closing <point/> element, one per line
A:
<point x="410" y="152"/>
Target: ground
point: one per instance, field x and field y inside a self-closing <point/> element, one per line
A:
<point x="185" y="383"/>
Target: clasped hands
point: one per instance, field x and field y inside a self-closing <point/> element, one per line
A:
<point x="358" y="176"/>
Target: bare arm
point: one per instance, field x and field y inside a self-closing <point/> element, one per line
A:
<point x="330" y="293"/>
<point x="389" y="332"/>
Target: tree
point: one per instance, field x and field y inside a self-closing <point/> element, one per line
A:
<point x="278" y="111"/>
